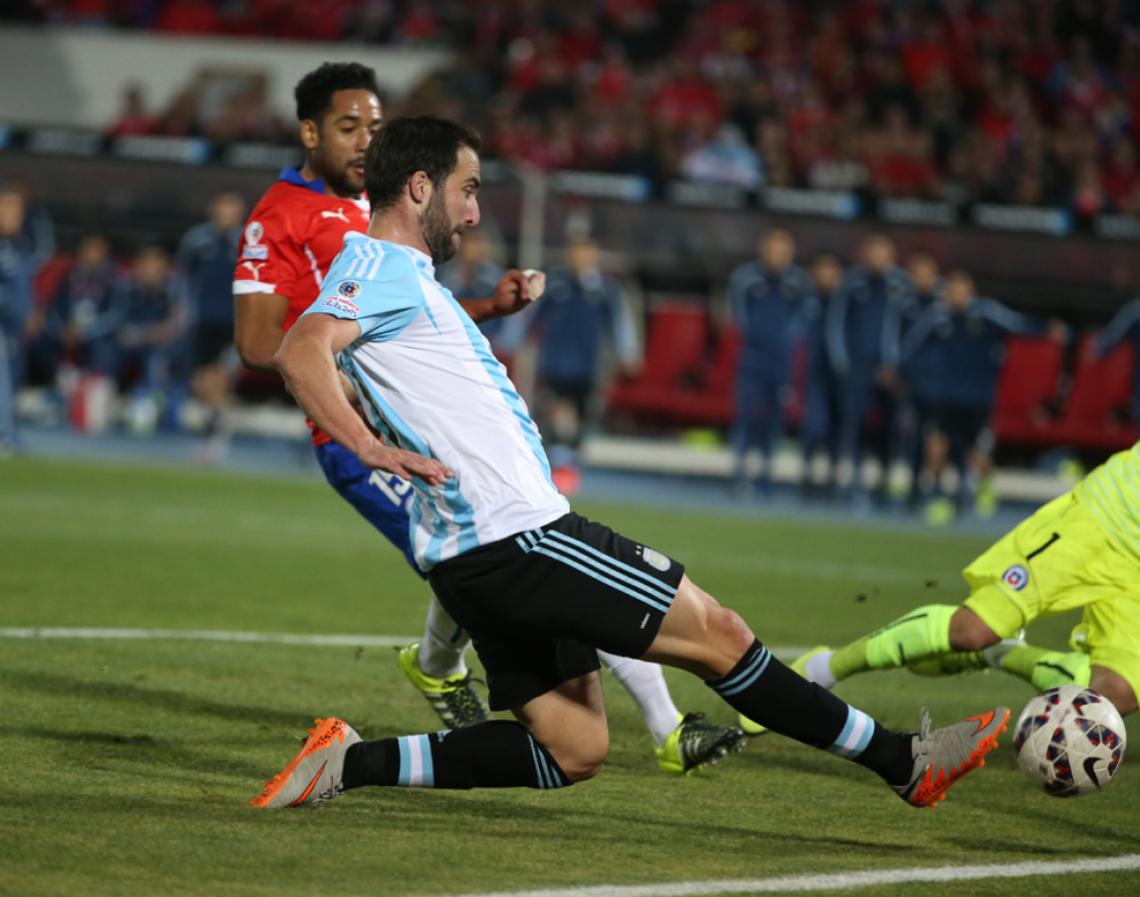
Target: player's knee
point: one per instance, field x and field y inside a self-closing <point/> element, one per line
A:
<point x="1114" y="687"/>
<point x="969" y="633"/>
<point x="729" y="631"/>
<point x="582" y="756"/>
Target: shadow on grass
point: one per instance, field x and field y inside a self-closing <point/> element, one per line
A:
<point x="438" y="815"/>
<point x="72" y="687"/>
<point x="95" y="748"/>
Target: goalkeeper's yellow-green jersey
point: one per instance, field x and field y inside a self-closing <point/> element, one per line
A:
<point x="1112" y="494"/>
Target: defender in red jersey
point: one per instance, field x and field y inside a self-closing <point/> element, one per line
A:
<point x="289" y="242"/>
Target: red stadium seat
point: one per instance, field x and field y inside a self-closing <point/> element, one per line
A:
<point x="678" y="334"/>
<point x="722" y="374"/>
<point x="681" y="385"/>
<point x="675" y="348"/>
<point x="1029" y="379"/>
<point x="1102" y="389"/>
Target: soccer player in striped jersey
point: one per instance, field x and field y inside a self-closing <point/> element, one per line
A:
<point x="1081" y="550"/>
<point x="288" y="244"/>
<point x="540" y="589"/>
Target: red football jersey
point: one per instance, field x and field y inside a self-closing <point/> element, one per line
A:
<point x="289" y="241"/>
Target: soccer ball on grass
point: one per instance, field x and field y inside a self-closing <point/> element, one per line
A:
<point x="1070" y="741"/>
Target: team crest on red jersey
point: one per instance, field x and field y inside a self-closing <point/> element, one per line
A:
<point x="254" y="248"/>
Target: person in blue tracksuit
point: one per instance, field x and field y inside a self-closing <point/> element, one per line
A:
<point x="766" y="298"/>
<point x="819" y="428"/>
<point x="863" y="330"/>
<point x="81" y="322"/>
<point x="1124" y="325"/>
<point x="919" y="372"/>
<point x="21" y="257"/>
<point x="963" y="336"/>
<point x="152" y="338"/>
<point x="581" y="309"/>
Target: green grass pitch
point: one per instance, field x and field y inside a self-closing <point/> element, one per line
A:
<point x="127" y="764"/>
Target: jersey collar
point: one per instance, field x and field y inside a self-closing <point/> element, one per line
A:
<point x="293" y="176"/>
<point x="420" y="259"/>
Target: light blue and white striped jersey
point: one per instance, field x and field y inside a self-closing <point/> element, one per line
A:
<point x="429" y="382"/>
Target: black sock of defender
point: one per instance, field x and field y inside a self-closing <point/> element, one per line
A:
<point x="496" y="754"/>
<point x="768" y="692"/>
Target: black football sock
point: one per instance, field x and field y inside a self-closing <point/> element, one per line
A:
<point x="496" y="754"/>
<point x="768" y="692"/>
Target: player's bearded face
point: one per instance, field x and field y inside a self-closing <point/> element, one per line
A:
<point x="441" y="234"/>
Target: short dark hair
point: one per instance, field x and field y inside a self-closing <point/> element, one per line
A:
<point x="407" y="145"/>
<point x="313" y="93"/>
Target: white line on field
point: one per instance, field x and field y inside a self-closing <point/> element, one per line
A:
<point x="839" y="881"/>
<point x="208" y="635"/>
<point x="272" y="638"/>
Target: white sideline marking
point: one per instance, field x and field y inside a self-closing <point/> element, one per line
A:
<point x="839" y="881"/>
<point x="209" y="635"/>
<point x="272" y="638"/>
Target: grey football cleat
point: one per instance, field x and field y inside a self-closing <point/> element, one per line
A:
<point x="945" y="755"/>
<point x="316" y="774"/>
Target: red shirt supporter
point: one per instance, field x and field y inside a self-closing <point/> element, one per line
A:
<point x="292" y="236"/>
<point x="190" y="17"/>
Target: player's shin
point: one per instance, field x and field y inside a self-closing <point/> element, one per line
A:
<point x="921" y="633"/>
<point x="765" y="690"/>
<point x="497" y="754"/>
<point x="443" y="644"/>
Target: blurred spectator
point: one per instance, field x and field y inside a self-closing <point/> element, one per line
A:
<point x="582" y="308"/>
<point x="920" y="371"/>
<point x="133" y="117"/>
<point x="152" y="342"/>
<point x="205" y="260"/>
<point x="933" y="100"/>
<point x="820" y="426"/>
<point x="78" y="337"/>
<point x="863" y="327"/>
<point x="20" y="259"/>
<point x="1122" y="178"/>
<point x="724" y="159"/>
<point x="1124" y="325"/>
<point x="190" y="17"/>
<point x="181" y="117"/>
<point x="766" y="298"/>
<point x="966" y="336"/>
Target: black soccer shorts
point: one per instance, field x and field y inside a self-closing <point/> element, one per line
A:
<point x="540" y="604"/>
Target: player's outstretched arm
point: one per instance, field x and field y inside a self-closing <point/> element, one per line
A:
<point x="257" y="328"/>
<point x="305" y="360"/>
<point x="516" y="290"/>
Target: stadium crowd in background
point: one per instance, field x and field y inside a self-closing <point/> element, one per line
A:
<point x="1033" y="103"/>
<point x="901" y="359"/>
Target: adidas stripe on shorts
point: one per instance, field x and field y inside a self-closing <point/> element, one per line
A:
<point x="539" y="604"/>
